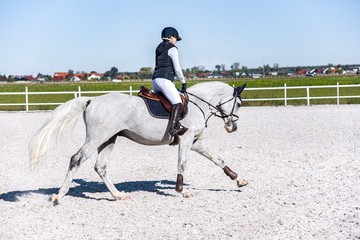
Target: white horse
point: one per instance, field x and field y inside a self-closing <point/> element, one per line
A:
<point x="108" y="116"/>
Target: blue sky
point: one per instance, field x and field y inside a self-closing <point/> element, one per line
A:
<point x="85" y="35"/>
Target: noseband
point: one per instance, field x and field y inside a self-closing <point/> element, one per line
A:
<point x="217" y="111"/>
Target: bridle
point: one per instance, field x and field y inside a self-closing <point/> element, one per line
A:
<point x="217" y="111"/>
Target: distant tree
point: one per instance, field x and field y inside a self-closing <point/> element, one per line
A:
<point x="106" y="74"/>
<point x="49" y="78"/>
<point x="145" y="73"/>
<point x="222" y="67"/>
<point x="267" y="69"/>
<point x="244" y="69"/>
<point x="70" y="74"/>
<point x="3" y="78"/>
<point x="10" y="78"/>
<point x="201" y="68"/>
<point x="275" y="66"/>
<point x="218" y="67"/>
<point x="195" y="70"/>
<point x="133" y="75"/>
<point x="113" y="72"/>
<point x="235" y="66"/>
<point x="339" y="69"/>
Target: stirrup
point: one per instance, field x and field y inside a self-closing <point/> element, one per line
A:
<point x="178" y="131"/>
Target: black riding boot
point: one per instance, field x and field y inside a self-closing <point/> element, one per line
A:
<point x="175" y="126"/>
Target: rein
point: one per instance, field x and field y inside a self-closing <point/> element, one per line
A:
<point x="217" y="108"/>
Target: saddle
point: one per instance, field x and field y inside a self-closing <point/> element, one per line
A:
<point x="158" y="105"/>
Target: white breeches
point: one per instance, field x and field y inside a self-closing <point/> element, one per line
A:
<point x="168" y="88"/>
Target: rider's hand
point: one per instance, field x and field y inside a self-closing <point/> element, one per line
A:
<point x="183" y="89"/>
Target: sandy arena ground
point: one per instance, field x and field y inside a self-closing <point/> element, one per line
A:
<point x="302" y="164"/>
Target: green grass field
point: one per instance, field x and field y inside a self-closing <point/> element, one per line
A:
<point x="251" y="83"/>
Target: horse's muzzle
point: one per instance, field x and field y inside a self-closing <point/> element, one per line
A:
<point x="230" y="126"/>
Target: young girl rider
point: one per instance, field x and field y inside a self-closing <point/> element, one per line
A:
<point x="167" y="67"/>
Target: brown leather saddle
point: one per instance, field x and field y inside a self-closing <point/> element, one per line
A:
<point x="158" y="105"/>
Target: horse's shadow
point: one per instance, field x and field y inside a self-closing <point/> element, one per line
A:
<point x="84" y="188"/>
<point x="87" y="187"/>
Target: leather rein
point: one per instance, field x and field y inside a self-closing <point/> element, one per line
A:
<point x="215" y="110"/>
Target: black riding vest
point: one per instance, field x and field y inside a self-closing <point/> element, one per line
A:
<point x="164" y="67"/>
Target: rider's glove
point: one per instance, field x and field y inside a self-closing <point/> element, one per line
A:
<point x="183" y="89"/>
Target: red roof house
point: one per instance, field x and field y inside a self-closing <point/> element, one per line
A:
<point x="60" y="76"/>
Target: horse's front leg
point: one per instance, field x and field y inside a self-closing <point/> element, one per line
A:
<point x="200" y="148"/>
<point x="183" y="152"/>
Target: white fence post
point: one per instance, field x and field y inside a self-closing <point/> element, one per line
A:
<point x="285" y="95"/>
<point x="308" y="95"/>
<point x="337" y="93"/>
<point x="79" y="91"/>
<point x="27" y="98"/>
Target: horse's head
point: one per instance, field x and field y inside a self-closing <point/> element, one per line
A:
<point x="228" y="108"/>
<point x="223" y="101"/>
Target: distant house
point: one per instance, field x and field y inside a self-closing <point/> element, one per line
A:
<point x="60" y="76"/>
<point x="23" y="77"/>
<point x="214" y="75"/>
<point x="201" y="75"/>
<point x="77" y="77"/>
<point x="286" y="72"/>
<point x="95" y="76"/>
<point x="40" y="79"/>
<point x="255" y="73"/>
<point x="225" y="74"/>
<point x="302" y="71"/>
<point x="122" y="77"/>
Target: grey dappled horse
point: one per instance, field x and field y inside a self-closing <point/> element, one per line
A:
<point x="108" y="116"/>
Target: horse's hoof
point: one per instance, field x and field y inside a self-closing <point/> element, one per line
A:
<point x="242" y="182"/>
<point x="187" y="194"/>
<point x="54" y="200"/>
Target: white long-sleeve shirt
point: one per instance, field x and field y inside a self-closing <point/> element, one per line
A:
<point x="174" y="55"/>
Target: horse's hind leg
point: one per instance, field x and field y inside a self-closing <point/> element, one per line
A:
<point x="200" y="148"/>
<point x="76" y="160"/>
<point x="101" y="168"/>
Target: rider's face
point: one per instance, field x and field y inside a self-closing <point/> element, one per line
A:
<point x="173" y="40"/>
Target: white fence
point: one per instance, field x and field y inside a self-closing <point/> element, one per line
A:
<point x="76" y="94"/>
<point x="285" y="98"/>
<point x="308" y="97"/>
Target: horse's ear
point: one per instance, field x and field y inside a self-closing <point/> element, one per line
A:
<point x="239" y="89"/>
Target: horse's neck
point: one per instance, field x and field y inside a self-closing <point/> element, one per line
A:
<point x="203" y="99"/>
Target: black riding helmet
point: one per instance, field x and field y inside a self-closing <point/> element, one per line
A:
<point x="168" y="32"/>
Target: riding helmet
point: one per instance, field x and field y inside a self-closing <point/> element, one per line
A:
<point x="168" y="32"/>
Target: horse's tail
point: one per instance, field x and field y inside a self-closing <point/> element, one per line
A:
<point x="65" y="115"/>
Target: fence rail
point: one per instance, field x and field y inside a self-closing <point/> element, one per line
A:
<point x="76" y="94"/>
<point x="308" y="97"/>
<point x="285" y="97"/>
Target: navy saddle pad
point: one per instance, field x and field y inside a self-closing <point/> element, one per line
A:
<point x="157" y="109"/>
